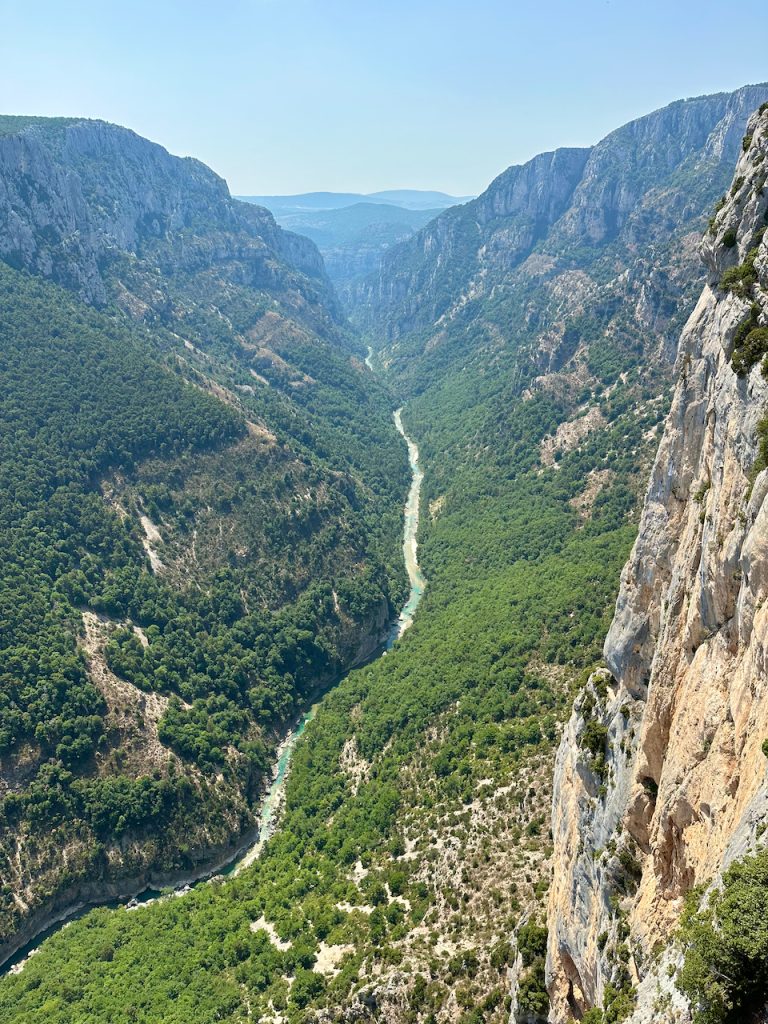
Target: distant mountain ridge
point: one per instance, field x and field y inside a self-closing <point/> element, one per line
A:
<point x="353" y="231"/>
<point x="353" y="239"/>
<point x="408" y="198"/>
<point x="608" y="194"/>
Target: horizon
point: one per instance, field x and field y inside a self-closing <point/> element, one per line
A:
<point x="284" y="99"/>
<point x="350" y="192"/>
<point x="379" y="189"/>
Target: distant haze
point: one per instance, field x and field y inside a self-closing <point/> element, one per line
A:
<point x="353" y="230"/>
<point x="287" y="96"/>
<point x="407" y="198"/>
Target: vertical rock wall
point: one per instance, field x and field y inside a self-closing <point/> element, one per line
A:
<point x="660" y="779"/>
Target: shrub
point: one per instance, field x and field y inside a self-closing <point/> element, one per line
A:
<point x="730" y="238"/>
<point x="532" y="993"/>
<point x="718" y="207"/>
<point x="761" y="463"/>
<point x="306" y="986"/>
<point x="631" y="867"/>
<point x="532" y="942"/>
<point x="501" y="955"/>
<point x="755" y="346"/>
<point x="740" y="279"/>
<point x="725" y="973"/>
<point x="619" y="1003"/>
<point x="594" y="739"/>
<point x="651" y="787"/>
<point x="593" y="1016"/>
<point x="748" y="342"/>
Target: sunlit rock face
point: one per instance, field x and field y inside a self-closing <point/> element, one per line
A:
<point x="682" y="708"/>
<point x="636" y="186"/>
<point x="75" y="195"/>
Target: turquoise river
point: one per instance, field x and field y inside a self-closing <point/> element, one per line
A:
<point x="271" y="804"/>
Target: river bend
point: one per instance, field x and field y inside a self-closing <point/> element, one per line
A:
<point x="273" y="800"/>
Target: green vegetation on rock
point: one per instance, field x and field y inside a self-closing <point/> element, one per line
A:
<point x="726" y="945"/>
<point x="142" y="699"/>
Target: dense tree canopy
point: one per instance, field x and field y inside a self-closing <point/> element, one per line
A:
<point x="100" y="425"/>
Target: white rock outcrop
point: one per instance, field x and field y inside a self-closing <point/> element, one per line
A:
<point x="683" y="709"/>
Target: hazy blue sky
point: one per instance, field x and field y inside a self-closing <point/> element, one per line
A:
<point x="294" y="95"/>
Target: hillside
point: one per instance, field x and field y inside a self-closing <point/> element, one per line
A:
<point x="202" y="516"/>
<point x="409" y="880"/>
<point x="354" y="231"/>
<point x="660" y="782"/>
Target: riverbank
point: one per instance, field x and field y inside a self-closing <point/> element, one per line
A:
<point x="410" y="537"/>
<point x="236" y="857"/>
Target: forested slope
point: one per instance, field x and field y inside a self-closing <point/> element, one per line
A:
<point x="660" y="784"/>
<point x="201" y="517"/>
<point x="414" y="856"/>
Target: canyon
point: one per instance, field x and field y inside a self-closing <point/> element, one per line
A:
<point x="505" y="815"/>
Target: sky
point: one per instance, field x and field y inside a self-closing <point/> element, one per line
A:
<point x="284" y="96"/>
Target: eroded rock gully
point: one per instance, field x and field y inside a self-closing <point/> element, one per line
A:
<point x="679" y="788"/>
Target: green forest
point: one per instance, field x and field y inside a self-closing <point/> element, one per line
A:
<point x="201" y="539"/>
<point x="436" y="751"/>
<point x="237" y="645"/>
<point x="518" y="580"/>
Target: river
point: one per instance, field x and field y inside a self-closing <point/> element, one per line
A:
<point x="272" y="802"/>
<point x="410" y="533"/>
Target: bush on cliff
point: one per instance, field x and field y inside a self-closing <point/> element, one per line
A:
<point x="725" y="973"/>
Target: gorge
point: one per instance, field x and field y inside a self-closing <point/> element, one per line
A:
<point x="507" y="816"/>
<point x="271" y="802"/>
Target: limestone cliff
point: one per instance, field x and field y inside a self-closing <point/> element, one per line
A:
<point x="79" y="196"/>
<point x="660" y="781"/>
<point x="640" y="185"/>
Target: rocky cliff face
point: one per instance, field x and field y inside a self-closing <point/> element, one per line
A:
<point x="660" y="781"/>
<point x="75" y="196"/>
<point x="420" y="279"/>
<point x="638" y="186"/>
<point x="353" y="239"/>
<point x="632" y="170"/>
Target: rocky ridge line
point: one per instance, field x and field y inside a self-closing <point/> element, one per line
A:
<point x="73" y="197"/>
<point x="660" y="781"/>
<point x="587" y="197"/>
